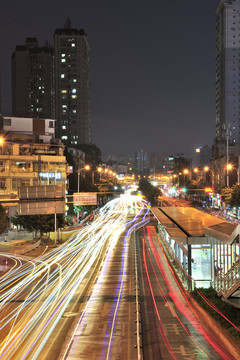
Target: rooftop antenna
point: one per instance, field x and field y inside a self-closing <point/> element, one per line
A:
<point x="67" y="24"/>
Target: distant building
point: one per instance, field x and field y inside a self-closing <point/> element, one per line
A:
<point x="176" y="164"/>
<point x="202" y="156"/>
<point x="140" y="163"/>
<point x="153" y="161"/>
<point x="117" y="164"/>
<point x="33" y="80"/>
<point x="227" y="76"/>
<point x="168" y="165"/>
<point x="72" y="88"/>
<point x="78" y="157"/>
<point x="0" y="92"/>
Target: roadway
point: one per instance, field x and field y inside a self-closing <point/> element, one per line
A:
<point x="79" y="286"/>
<point x="77" y="301"/>
<point x="171" y="329"/>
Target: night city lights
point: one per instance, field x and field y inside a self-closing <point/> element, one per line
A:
<point x="120" y="180"/>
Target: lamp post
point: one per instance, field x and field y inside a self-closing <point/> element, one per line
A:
<point x="99" y="169"/>
<point x="87" y="167"/>
<point x="174" y="181"/>
<point x="185" y="171"/>
<point x="1" y="143"/>
<point x="206" y="169"/>
<point x="229" y="168"/>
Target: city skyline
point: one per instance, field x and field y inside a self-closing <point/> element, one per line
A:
<point x="152" y="69"/>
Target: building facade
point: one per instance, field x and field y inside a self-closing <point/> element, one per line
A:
<point x="33" y="80"/>
<point x="29" y="157"/>
<point x="140" y="163"/>
<point x="227" y="76"/>
<point x="202" y="156"/>
<point x="72" y="88"/>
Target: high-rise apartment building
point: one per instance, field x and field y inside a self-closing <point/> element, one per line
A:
<point x="140" y="163"/>
<point x="72" y="89"/>
<point x="227" y="76"/>
<point x="0" y="92"/>
<point x="33" y="80"/>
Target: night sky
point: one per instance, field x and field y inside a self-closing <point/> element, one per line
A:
<point x="152" y="67"/>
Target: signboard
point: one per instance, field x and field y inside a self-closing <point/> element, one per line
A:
<point x="85" y="198"/>
<point x="41" y="192"/>
<point x="41" y="207"/>
<point x="208" y="189"/>
<point x="51" y="175"/>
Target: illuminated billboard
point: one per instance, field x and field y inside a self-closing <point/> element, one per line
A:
<point x="85" y="198"/>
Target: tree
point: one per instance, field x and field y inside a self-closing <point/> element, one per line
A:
<point x="92" y="158"/>
<point x="38" y="223"/>
<point x="3" y="220"/>
<point x="226" y="194"/>
<point x="92" y="154"/>
<point x="233" y="197"/>
<point x="151" y="192"/>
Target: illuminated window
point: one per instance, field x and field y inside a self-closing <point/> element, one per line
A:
<point x="63" y="55"/>
<point x="64" y="91"/>
<point x="63" y="60"/>
<point x="74" y="96"/>
<point x="74" y="111"/>
<point x="74" y="91"/>
<point x="64" y="127"/>
<point x="64" y="137"/>
<point x="74" y="80"/>
<point x="73" y="45"/>
<point x="62" y="76"/>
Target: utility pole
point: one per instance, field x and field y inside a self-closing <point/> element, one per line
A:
<point x="227" y="134"/>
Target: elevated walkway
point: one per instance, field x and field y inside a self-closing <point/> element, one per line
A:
<point x="206" y="246"/>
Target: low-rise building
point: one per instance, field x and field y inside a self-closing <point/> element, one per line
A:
<point x="31" y="157"/>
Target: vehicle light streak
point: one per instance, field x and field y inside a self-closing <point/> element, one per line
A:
<point x="107" y="345"/>
<point x="189" y="306"/>
<point x="214" y="308"/>
<point x="42" y="289"/>
<point x="184" y="307"/>
<point x="160" y="327"/>
<point x="160" y="267"/>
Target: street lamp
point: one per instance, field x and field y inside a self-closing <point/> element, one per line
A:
<point x="206" y="169"/>
<point x="87" y="167"/>
<point x="185" y="171"/>
<point x="99" y="169"/>
<point x="229" y="168"/>
<point x="1" y="143"/>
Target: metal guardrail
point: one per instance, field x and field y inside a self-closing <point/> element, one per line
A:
<point x="227" y="284"/>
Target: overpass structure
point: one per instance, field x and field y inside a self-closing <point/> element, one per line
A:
<point x="205" y="247"/>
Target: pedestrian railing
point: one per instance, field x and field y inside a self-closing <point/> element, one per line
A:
<point x="226" y="284"/>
